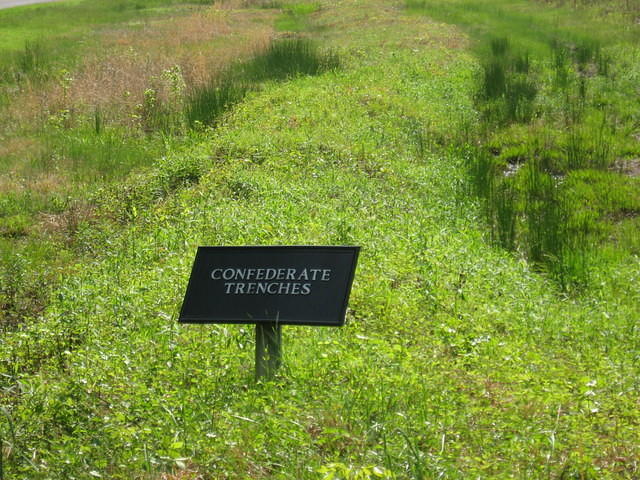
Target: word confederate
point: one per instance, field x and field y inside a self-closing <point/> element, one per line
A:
<point x="270" y="281"/>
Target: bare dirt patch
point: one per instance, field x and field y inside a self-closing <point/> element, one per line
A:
<point x="629" y="167"/>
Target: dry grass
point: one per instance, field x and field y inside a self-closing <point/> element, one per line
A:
<point x="166" y="55"/>
<point x="9" y="183"/>
<point x="629" y="167"/>
<point x="10" y="145"/>
<point x="198" y="46"/>
<point x="190" y="472"/>
<point x="17" y="174"/>
<point x="181" y="476"/>
<point x="67" y="223"/>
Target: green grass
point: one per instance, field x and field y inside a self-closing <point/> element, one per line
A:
<point x="70" y="18"/>
<point x="535" y="26"/>
<point x="296" y="17"/>
<point x="549" y="98"/>
<point x="94" y="157"/>
<point x="69" y="149"/>
<point x="459" y="359"/>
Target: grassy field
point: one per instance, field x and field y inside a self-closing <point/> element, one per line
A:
<point x="477" y="344"/>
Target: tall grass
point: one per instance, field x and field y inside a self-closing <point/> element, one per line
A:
<point x="283" y="59"/>
<point x="37" y="38"/>
<point x="529" y="208"/>
<point x="547" y="82"/>
<point x="31" y="62"/>
<point x="206" y="104"/>
<point x="32" y="59"/>
<point x="507" y="89"/>
<point x="287" y="58"/>
<point x="505" y="214"/>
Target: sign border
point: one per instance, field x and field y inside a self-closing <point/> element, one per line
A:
<point x="345" y="301"/>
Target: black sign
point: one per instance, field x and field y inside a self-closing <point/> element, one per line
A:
<point x="287" y="285"/>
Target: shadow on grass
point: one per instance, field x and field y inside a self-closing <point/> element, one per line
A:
<point x="284" y="59"/>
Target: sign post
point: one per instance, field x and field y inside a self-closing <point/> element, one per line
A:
<point x="268" y="349"/>
<point x="270" y="287"/>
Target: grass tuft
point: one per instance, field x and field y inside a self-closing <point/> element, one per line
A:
<point x="282" y="60"/>
<point x="207" y="103"/>
<point x="287" y="58"/>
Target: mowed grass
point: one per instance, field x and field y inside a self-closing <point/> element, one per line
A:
<point x="534" y="23"/>
<point x="458" y="359"/>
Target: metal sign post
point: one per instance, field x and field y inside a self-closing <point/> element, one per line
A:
<point x="268" y="349"/>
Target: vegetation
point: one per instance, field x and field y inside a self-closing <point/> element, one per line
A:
<point x="72" y="127"/>
<point x="555" y="108"/>
<point x="419" y="140"/>
<point x="281" y="60"/>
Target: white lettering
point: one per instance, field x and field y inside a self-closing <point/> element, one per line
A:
<point x="292" y="284"/>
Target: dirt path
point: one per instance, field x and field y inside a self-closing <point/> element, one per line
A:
<point x="17" y="3"/>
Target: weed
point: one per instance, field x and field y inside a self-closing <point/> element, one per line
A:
<point x="22" y="295"/>
<point x="520" y="95"/>
<point x="495" y="80"/>
<point x="504" y="203"/>
<point x="499" y="46"/>
<point x="98" y="121"/>
<point x="32" y="60"/>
